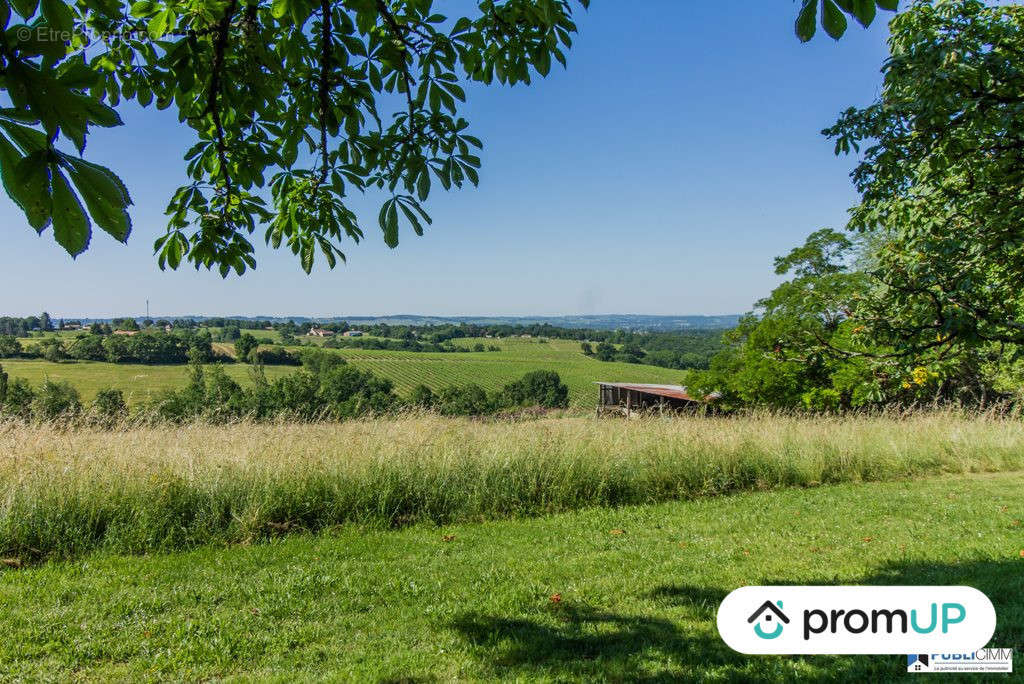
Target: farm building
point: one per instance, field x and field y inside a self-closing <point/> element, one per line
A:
<point x="629" y="398"/>
<point x="352" y="333"/>
<point x="320" y="332"/>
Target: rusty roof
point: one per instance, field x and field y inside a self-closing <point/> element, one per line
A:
<point x="672" y="391"/>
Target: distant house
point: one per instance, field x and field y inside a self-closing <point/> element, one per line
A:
<point x="126" y="332"/>
<point x="72" y="326"/>
<point x="352" y="333"/>
<point x="321" y="332"/>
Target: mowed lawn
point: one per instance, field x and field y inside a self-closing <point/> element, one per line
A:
<point x="600" y="594"/>
<point x="491" y="370"/>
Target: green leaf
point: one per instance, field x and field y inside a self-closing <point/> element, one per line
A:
<point x="70" y="222"/>
<point x="58" y="15"/>
<point x="833" y="20"/>
<point x="543" y="62"/>
<point x="423" y="184"/>
<point x="279" y="9"/>
<point x="143" y="8"/>
<point x="26" y="8"/>
<point x="807" y="20"/>
<point x="29" y="186"/>
<point x="891" y="5"/>
<point x="413" y="219"/>
<point x="389" y="223"/>
<point x="104" y="194"/>
<point x="864" y="11"/>
<point x="158" y="25"/>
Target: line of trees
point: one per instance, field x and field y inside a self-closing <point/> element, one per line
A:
<point x="326" y="388"/>
<point x="145" y="347"/>
<point x="677" y="350"/>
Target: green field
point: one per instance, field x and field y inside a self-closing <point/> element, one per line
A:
<point x="638" y="590"/>
<point x="138" y="382"/>
<point x="490" y="370"/>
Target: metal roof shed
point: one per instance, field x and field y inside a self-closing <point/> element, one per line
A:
<point x="627" y="398"/>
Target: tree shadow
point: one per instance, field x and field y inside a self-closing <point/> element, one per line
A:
<point x="701" y="602"/>
<point x="582" y="642"/>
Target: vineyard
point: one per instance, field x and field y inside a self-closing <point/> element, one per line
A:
<point x="490" y="370"/>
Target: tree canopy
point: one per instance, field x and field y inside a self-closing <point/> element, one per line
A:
<point x="941" y="177"/>
<point x="920" y="300"/>
<point x="295" y="104"/>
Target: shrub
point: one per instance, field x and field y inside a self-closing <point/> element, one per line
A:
<point x="296" y="395"/>
<point x="275" y="356"/>
<point x="108" y="407"/>
<point x="56" y="399"/>
<point x="88" y="348"/>
<point x="465" y="400"/>
<point x="349" y="392"/>
<point x="422" y="396"/>
<point x="537" y="388"/>
<point x="318" y="361"/>
<point x="18" y="398"/>
<point x="52" y="349"/>
<point x="245" y="346"/>
<point x="9" y="346"/>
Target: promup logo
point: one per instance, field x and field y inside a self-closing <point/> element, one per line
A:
<point x="823" y="619"/>
<point x="764" y="616"/>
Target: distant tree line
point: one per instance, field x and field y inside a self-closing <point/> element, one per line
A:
<point x="325" y="388"/>
<point x="144" y="347"/>
<point x="404" y="344"/>
<point x="21" y="327"/>
<point x="677" y="350"/>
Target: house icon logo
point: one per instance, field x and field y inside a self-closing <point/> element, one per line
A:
<point x="769" y="620"/>
<point x="918" y="663"/>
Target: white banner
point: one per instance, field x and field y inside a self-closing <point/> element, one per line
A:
<point x="856" y="619"/>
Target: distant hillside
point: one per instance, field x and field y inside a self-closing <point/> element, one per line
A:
<point x="635" y="322"/>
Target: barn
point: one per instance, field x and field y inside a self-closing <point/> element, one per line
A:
<point x="629" y="398"/>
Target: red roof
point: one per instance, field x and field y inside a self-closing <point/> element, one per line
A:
<point x="672" y="391"/>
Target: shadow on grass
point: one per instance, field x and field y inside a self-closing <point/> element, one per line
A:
<point x="581" y="642"/>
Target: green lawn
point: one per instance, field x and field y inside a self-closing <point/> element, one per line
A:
<point x="490" y="370"/>
<point x="473" y="601"/>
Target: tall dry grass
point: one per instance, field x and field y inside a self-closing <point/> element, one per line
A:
<point x="64" y="492"/>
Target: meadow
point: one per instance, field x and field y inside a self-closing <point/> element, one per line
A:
<point x="140" y="489"/>
<point x="603" y="594"/>
<point x="490" y="370"/>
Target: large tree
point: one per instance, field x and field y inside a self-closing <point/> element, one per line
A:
<point x="295" y="104"/>
<point x="933" y="308"/>
<point x="942" y="180"/>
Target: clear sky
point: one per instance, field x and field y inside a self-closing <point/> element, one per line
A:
<point x="660" y="174"/>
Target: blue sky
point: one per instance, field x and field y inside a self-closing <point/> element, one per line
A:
<point x="660" y="174"/>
